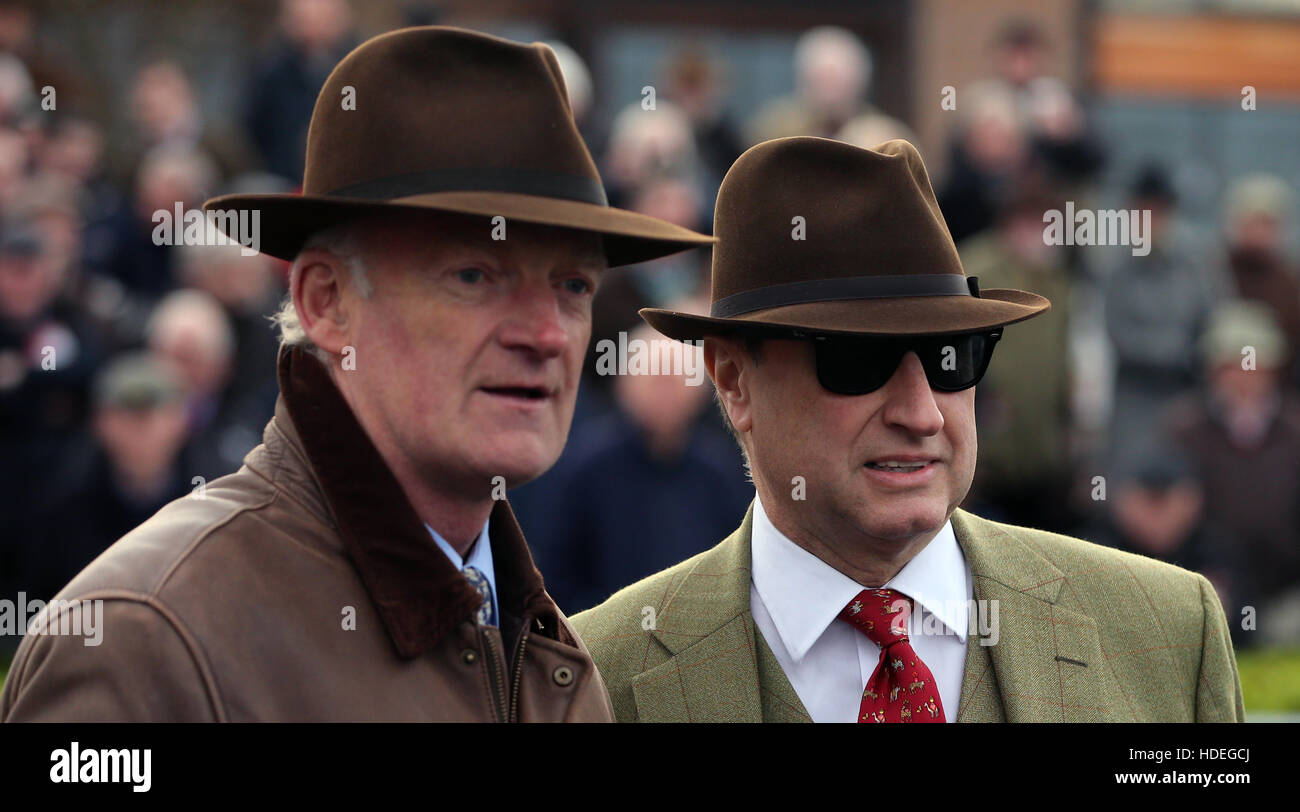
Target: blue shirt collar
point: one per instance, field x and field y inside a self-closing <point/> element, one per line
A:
<point x="480" y="558"/>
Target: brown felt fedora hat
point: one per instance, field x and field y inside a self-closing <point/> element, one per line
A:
<point x="456" y="121"/>
<point x="817" y="236"/>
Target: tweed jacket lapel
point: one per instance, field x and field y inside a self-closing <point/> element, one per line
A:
<point x="1047" y="663"/>
<point x="721" y="670"/>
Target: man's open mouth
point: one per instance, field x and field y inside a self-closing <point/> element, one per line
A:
<point x="899" y="467"/>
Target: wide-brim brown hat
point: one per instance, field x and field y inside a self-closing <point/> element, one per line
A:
<point x="445" y="119"/>
<point x="818" y="236"/>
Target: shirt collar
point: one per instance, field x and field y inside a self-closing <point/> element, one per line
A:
<point x="480" y="558"/>
<point x="936" y="580"/>
<point x="804" y="595"/>
<point x="480" y="553"/>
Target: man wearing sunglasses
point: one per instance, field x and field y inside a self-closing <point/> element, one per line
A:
<point x="845" y="342"/>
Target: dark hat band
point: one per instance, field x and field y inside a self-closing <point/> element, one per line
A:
<point x="853" y="287"/>
<point x="492" y="179"/>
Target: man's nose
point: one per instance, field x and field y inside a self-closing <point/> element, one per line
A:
<point x="535" y="322"/>
<point x="909" y="401"/>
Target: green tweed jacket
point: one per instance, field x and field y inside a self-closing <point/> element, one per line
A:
<point x="1086" y="634"/>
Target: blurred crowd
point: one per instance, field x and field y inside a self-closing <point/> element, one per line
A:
<point x="1153" y="408"/>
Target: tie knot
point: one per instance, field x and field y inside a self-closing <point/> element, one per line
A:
<point x="880" y="614"/>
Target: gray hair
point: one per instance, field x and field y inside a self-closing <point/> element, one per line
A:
<point x="196" y="311"/>
<point x="344" y="242"/>
<point x="835" y="45"/>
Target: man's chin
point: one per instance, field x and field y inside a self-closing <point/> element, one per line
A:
<point x="905" y="522"/>
<point x="518" y="467"/>
<point x="513" y="478"/>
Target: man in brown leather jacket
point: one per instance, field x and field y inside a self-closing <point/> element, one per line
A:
<point x="363" y="564"/>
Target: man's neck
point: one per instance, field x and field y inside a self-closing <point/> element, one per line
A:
<point x="866" y="559"/>
<point x="457" y="518"/>
<point x="458" y="521"/>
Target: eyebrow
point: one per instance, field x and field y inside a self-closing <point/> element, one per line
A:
<point x="594" y="262"/>
<point x="591" y="259"/>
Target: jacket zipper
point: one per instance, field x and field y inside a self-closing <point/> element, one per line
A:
<point x="519" y="675"/>
<point x="498" y="676"/>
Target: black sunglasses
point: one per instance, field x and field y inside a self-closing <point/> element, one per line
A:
<point x="852" y="365"/>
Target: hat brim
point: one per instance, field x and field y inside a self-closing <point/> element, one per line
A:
<point x="915" y="315"/>
<point x="287" y="220"/>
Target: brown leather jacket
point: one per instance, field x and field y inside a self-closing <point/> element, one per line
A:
<point x="304" y="587"/>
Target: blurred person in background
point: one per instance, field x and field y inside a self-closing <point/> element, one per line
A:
<point x="642" y="487"/>
<point x="832" y="82"/>
<point x="14" y="157"/>
<point x="1023" y="404"/>
<point x="20" y="111"/>
<point x="49" y="216"/>
<point x="693" y="82"/>
<point x="652" y="166"/>
<point x="646" y="145"/>
<point x="71" y="190"/>
<point x="314" y="35"/>
<point x="49" y="61"/>
<point x="48" y="355"/>
<point x="624" y="291"/>
<point x="249" y="289"/>
<point x="1243" y="438"/>
<point x="989" y="160"/>
<point x="47" y="350"/>
<point x="191" y="332"/>
<point x="124" y="474"/>
<point x="166" y="114"/>
<point x="74" y="151"/>
<point x="1046" y="111"/>
<point x="168" y="176"/>
<point x="1257" y="213"/>
<point x="1016" y="127"/>
<point x="49" y="204"/>
<point x="17" y="94"/>
<point x="1156" y="508"/>
<point x="15" y="25"/>
<point x="1156" y="307"/>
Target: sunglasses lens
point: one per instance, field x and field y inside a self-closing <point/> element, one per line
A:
<point x="954" y="363"/>
<point x="856" y="367"/>
<point x="859" y="366"/>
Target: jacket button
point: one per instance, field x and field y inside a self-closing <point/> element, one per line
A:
<point x="469" y="656"/>
<point x="563" y="675"/>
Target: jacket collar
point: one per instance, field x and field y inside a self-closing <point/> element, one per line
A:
<point x="417" y="591"/>
<point x="717" y="656"/>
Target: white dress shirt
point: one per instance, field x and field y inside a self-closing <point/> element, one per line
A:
<point x="796" y="599"/>
<point x="480" y="558"/>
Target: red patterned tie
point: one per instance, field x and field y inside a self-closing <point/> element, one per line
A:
<point x="901" y="689"/>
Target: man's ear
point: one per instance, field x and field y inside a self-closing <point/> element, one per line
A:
<point x="729" y="365"/>
<point x="317" y="290"/>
